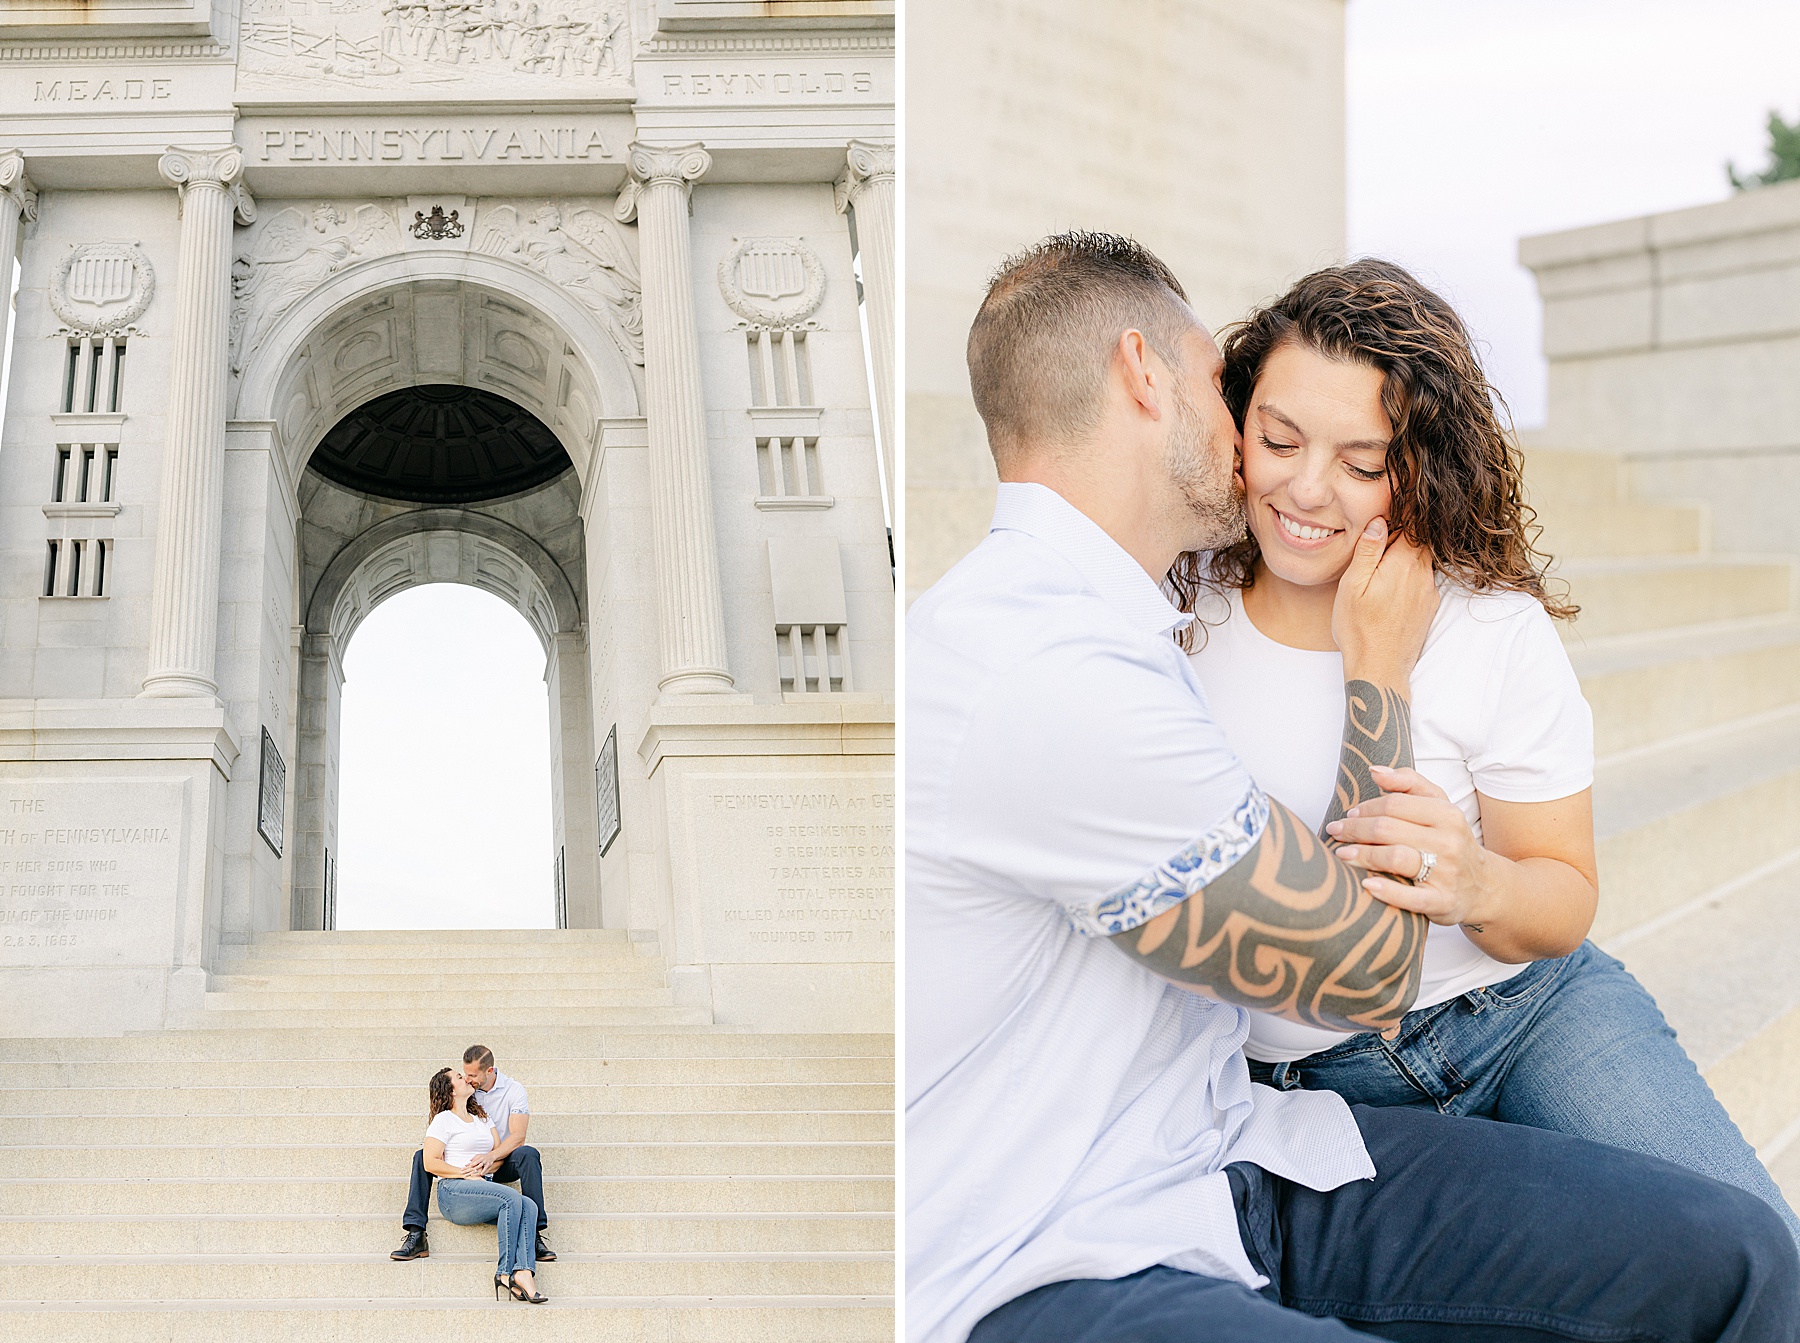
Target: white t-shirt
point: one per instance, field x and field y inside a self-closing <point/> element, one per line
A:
<point x="1495" y="708"/>
<point x="463" y="1142"/>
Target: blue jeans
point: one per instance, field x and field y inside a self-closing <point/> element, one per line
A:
<point x="471" y="1202"/>
<point x="1575" y="1045"/>
<point x="523" y="1165"/>
<point x="1471" y="1231"/>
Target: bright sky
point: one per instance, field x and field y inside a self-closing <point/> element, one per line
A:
<point x="1474" y="122"/>
<point x="444" y="794"/>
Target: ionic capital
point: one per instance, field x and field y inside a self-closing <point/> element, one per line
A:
<point x="16" y="186"/>
<point x="215" y="169"/>
<point x="866" y="162"/>
<point x="660" y="165"/>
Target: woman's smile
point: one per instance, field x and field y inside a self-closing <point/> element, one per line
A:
<point x="1302" y="535"/>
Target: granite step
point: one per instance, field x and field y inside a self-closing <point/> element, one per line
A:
<point x="424" y="981"/>
<point x="1556" y="476"/>
<point x="64" y="1126"/>
<point x="518" y="1051"/>
<point x="1676" y="819"/>
<point x="1663" y="684"/>
<point x="384" y="1194"/>
<point x="408" y="1072"/>
<point x="470" y="1022"/>
<point x="1581" y="530"/>
<point x="210" y="1161"/>
<point x="129" y="1277"/>
<point x="550" y="1101"/>
<point x="475" y="998"/>
<point x="375" y="1236"/>
<point x="618" y="1319"/>
<point x="1628" y="596"/>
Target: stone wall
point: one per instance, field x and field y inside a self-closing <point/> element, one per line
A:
<point x="1212" y="131"/>
<point x="1674" y="342"/>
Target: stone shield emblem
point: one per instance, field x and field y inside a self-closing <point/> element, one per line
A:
<point x="773" y="282"/>
<point x="102" y="287"/>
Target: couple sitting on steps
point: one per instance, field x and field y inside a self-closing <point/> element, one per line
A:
<point x="475" y="1146"/>
<point x="1250" y="865"/>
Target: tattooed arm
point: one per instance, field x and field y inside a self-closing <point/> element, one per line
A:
<point x="1288" y="928"/>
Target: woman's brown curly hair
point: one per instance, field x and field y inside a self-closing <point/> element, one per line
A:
<point x="443" y="1096"/>
<point x="1456" y="472"/>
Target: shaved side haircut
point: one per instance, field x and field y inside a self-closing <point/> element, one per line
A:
<point x="1043" y="340"/>
<point x="480" y="1055"/>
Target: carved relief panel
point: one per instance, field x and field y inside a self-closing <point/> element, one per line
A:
<point x="416" y="44"/>
<point x="575" y="245"/>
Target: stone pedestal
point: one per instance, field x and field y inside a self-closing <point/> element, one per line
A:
<point x="867" y="187"/>
<point x="780" y="831"/>
<point x="110" y="820"/>
<point x="1674" y="342"/>
<point x="184" y="608"/>
<point x="690" y="608"/>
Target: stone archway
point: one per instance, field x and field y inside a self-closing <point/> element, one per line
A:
<point x="352" y="351"/>
<point x="442" y="545"/>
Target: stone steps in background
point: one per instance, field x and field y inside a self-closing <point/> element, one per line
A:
<point x="244" y="1176"/>
<point x="1586" y="530"/>
<point x="1691" y="661"/>
<point x="406" y="1103"/>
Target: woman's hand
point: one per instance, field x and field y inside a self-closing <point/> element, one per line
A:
<point x="1392" y="832"/>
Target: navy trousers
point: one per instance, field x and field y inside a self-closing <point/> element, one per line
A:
<point x="522" y="1164"/>
<point x="1473" y="1231"/>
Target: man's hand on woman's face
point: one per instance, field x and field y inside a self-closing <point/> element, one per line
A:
<point x="1384" y="607"/>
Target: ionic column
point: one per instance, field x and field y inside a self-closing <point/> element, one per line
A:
<point x="18" y="206"/>
<point x="184" y="602"/>
<point x="690" y="606"/>
<point x="867" y="187"/>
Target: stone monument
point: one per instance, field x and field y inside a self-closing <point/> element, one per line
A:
<point x="558" y="298"/>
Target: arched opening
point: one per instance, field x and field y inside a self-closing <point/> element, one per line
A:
<point x="445" y="816"/>
<point x="419" y="487"/>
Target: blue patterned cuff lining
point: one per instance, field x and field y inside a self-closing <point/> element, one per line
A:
<point x="1174" y="880"/>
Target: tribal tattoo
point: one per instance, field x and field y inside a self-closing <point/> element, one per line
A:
<point x="1289" y="929"/>
<point x="1377" y="731"/>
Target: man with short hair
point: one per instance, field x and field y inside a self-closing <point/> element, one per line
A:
<point x="512" y="1161"/>
<point x="1096" y="888"/>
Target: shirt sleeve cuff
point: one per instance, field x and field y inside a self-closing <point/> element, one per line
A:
<point x="1170" y="882"/>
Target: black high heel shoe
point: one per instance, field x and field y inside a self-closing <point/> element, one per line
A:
<point x="502" y="1280"/>
<point x="536" y="1298"/>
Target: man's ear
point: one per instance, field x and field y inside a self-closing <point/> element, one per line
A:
<point x="1143" y="374"/>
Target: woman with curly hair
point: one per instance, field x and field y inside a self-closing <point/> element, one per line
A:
<point x="459" y="1133"/>
<point x="1358" y="395"/>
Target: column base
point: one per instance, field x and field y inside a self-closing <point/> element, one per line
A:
<point x="176" y="685"/>
<point x="779" y="824"/>
<point x="705" y="681"/>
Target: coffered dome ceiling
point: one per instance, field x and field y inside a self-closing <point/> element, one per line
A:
<point x="440" y="444"/>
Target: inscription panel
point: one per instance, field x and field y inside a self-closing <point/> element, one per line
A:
<point x="525" y="139"/>
<point x="33" y="89"/>
<point x="793" y="870"/>
<point x="89" y="870"/>
<point x="856" y="78"/>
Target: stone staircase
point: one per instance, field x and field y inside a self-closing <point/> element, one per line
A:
<point x="243" y="1177"/>
<point x="1690" y="657"/>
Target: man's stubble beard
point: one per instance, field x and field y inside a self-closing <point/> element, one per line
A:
<point x="1211" y="494"/>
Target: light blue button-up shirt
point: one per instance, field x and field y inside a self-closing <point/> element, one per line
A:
<point x="1068" y="1113"/>
<point x="504" y="1099"/>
